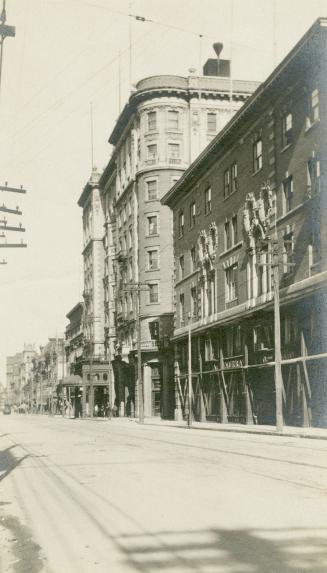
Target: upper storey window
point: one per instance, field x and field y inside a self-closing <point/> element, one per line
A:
<point x="207" y="201"/>
<point x="152" y="152"/>
<point x="152" y="191"/>
<point x="173" y="120"/>
<point x="313" y="111"/>
<point x="287" y="129"/>
<point x="211" y="122"/>
<point x="152" y="120"/>
<point x="173" y="151"/>
<point x="257" y="155"/>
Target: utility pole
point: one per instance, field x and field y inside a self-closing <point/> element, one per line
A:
<point x="139" y="358"/>
<point x="189" y="418"/>
<point x="5" y="32"/>
<point x="137" y="288"/>
<point x="278" y="352"/>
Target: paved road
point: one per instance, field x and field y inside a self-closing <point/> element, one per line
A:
<point x="82" y="497"/>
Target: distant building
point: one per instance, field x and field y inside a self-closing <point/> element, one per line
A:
<point x="166" y="123"/>
<point x="74" y="343"/>
<point x="19" y="374"/>
<point x="264" y="173"/>
<point x="48" y="371"/>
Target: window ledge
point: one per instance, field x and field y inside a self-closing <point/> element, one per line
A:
<point x="152" y="270"/>
<point x="150" y="236"/>
<point x="286" y="147"/>
<point x="232" y="193"/>
<point x="182" y="280"/>
<point x="151" y="200"/>
<point x="256" y="172"/>
<point x="312" y="125"/>
<point x="291" y="212"/>
<point x="228" y="251"/>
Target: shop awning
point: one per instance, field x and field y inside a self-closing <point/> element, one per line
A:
<point x="72" y="380"/>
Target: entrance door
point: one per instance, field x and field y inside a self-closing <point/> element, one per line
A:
<point x="156" y="389"/>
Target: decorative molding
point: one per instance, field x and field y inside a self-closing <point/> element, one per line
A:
<point x="256" y="217"/>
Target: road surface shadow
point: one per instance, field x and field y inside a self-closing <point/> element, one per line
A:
<point x="26" y="551"/>
<point x="8" y="462"/>
<point x="295" y="550"/>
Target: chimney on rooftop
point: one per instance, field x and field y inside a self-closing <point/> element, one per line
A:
<point x="217" y="66"/>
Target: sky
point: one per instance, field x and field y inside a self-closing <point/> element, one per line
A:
<point x="64" y="60"/>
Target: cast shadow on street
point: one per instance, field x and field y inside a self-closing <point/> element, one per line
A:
<point x="8" y="462"/>
<point x="228" y="551"/>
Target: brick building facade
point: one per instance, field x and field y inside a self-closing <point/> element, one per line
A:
<point x="260" y="185"/>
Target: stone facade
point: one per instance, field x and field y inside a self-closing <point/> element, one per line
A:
<point x="165" y="124"/>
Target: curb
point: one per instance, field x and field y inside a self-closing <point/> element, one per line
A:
<point x="240" y="431"/>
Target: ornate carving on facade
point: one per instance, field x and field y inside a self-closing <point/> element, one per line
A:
<point x="207" y="245"/>
<point x="256" y="217"/>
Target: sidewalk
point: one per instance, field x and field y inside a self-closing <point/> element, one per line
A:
<point x="288" y="431"/>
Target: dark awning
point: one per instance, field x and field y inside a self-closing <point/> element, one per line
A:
<point x="72" y="380"/>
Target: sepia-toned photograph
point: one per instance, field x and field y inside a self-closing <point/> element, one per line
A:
<point x="163" y="286"/>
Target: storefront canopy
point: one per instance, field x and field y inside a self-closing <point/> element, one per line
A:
<point x="73" y="380"/>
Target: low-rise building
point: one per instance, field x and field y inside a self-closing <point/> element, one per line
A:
<point x="256" y="193"/>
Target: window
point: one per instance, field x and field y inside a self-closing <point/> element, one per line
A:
<point x="182" y="308"/>
<point x="153" y="293"/>
<point x="313" y="176"/>
<point x="130" y="233"/>
<point x="234" y="177"/>
<point x="288" y="193"/>
<point x="212" y="122"/>
<point x="287" y="132"/>
<point x="152" y="120"/>
<point x="181" y="267"/>
<point x="152" y="225"/>
<point x="226" y="183"/>
<point x="263" y="337"/>
<point x="192" y="214"/>
<point x="194" y="302"/>
<point x="288" y="253"/>
<point x="130" y="268"/>
<point x="193" y="259"/>
<point x="131" y="302"/>
<point x="125" y="242"/>
<point x="151" y="190"/>
<point x="173" y="120"/>
<point x="154" y="330"/>
<point x="129" y="207"/>
<point x="228" y="235"/>
<point x="152" y="152"/>
<point x="263" y="272"/>
<point x="173" y="151"/>
<point x="313" y="113"/>
<point x="119" y="220"/>
<point x="211" y="298"/>
<point x="257" y="155"/>
<point x="234" y="229"/>
<point x="153" y="262"/>
<point x="207" y="201"/>
<point x="124" y="213"/>
<point x="314" y="249"/>
<point x="181" y="224"/>
<point x="234" y="340"/>
<point x="231" y="283"/>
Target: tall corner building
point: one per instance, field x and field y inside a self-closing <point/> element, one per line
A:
<point x="166" y="123"/>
